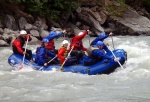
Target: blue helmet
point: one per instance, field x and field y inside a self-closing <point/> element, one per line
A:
<point x="102" y="35"/>
<point x="45" y="40"/>
<point x="100" y="43"/>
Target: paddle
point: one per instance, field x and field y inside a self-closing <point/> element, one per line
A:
<point x="61" y="67"/>
<point x="89" y="40"/>
<point x="24" y="54"/>
<point x="112" y="42"/>
<point x="113" y="53"/>
<point x="48" y="62"/>
<point x="117" y="61"/>
<point x="88" y="37"/>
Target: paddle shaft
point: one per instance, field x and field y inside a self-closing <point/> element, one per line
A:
<point x="61" y="67"/>
<point x="25" y="52"/>
<point x="113" y="53"/>
<point x="112" y="42"/>
<point x="25" y="49"/>
<point x="48" y="62"/>
<point x="89" y="40"/>
<point x="117" y="61"/>
<point x="52" y="59"/>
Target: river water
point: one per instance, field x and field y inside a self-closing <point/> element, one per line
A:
<point x="131" y="84"/>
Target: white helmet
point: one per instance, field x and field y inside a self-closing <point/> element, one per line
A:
<point x="65" y="42"/>
<point x="80" y="33"/>
<point x="23" y="32"/>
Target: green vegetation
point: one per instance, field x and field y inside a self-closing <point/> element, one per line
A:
<point x="117" y="9"/>
<point x="51" y="8"/>
<point x="147" y="5"/>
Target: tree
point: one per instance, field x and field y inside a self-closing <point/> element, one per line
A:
<point x="52" y="8"/>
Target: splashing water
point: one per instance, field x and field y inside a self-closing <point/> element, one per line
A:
<point x="125" y="85"/>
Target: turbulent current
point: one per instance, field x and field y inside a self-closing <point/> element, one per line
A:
<point x="131" y="84"/>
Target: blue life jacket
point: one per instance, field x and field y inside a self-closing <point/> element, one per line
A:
<point x="42" y="54"/>
<point x="96" y="53"/>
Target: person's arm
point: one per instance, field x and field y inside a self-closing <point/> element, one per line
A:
<point x="94" y="41"/>
<point x="106" y="35"/>
<point x="26" y="37"/>
<point x="80" y="37"/>
<point x="106" y="49"/>
<point x="102" y="36"/>
<point x="53" y="35"/>
<point x="110" y="34"/>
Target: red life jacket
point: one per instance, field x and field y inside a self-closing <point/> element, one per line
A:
<point x="50" y="45"/>
<point x="77" y="44"/>
<point x="62" y="54"/>
<point x="19" y="43"/>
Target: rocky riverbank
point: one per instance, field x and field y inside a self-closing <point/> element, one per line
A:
<point x="94" y="16"/>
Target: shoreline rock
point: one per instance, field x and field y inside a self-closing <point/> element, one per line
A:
<point x="93" y="17"/>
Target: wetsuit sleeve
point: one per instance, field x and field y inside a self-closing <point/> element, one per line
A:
<point x="106" y="49"/>
<point x="101" y="39"/>
<point x="94" y="41"/>
<point x="98" y="39"/>
<point x="53" y="35"/>
<point x="80" y="37"/>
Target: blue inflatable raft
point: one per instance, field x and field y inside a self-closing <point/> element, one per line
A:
<point x="101" y="67"/>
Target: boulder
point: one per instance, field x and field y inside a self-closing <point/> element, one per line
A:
<point x="34" y="41"/>
<point x="34" y="33"/>
<point x="1" y="37"/>
<point x="10" y="32"/>
<point x="1" y="25"/>
<point x="3" y="43"/>
<point x="44" y="33"/>
<point x="22" y="23"/>
<point x="41" y="23"/>
<point x="28" y="26"/>
<point x="1" y="30"/>
<point x="88" y="17"/>
<point x="131" y="23"/>
<point x="10" y="22"/>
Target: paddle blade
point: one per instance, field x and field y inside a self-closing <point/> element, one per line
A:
<point x="61" y="69"/>
<point x="21" y="67"/>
